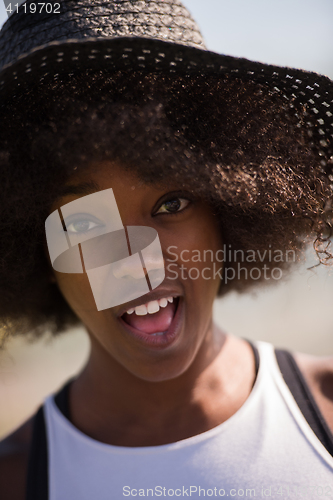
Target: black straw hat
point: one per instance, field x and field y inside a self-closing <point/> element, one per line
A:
<point x="73" y="35"/>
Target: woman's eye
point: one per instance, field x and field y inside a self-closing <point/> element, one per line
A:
<point x="81" y="226"/>
<point x="173" y="206"/>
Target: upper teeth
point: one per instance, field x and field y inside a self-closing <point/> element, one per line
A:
<point x="151" y="307"/>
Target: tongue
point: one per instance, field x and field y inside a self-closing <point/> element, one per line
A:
<point x="152" y="323"/>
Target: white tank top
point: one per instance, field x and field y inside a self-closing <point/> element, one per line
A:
<point x="266" y="449"/>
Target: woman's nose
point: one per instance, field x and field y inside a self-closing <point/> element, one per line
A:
<point x="135" y="268"/>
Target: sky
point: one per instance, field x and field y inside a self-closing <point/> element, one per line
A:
<point x="296" y="33"/>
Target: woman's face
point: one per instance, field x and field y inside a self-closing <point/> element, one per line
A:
<point x="158" y="345"/>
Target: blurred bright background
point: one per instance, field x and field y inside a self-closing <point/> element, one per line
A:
<point x="296" y="314"/>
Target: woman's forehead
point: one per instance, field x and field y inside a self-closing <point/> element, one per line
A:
<point x="112" y="175"/>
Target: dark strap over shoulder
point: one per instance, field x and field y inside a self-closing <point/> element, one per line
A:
<point x="37" y="480"/>
<point x="304" y="398"/>
<point x="62" y="400"/>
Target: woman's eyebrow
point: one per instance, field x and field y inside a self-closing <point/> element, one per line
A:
<point x="84" y="188"/>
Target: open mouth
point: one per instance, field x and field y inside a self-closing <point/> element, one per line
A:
<point x="153" y="318"/>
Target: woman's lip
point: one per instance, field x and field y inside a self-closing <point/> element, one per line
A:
<point x="158" y="341"/>
<point x="156" y="294"/>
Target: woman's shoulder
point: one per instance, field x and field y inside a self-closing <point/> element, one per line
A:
<point x="14" y="457"/>
<point x="318" y="374"/>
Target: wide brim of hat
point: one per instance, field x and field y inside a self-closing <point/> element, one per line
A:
<point x="311" y="92"/>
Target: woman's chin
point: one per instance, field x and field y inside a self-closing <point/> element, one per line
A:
<point x="163" y="356"/>
<point x="161" y="371"/>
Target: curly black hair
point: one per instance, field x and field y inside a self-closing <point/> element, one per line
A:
<point x="234" y="144"/>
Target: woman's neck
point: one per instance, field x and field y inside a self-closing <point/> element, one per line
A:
<point x="113" y="406"/>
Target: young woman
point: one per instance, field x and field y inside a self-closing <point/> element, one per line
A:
<point x="217" y="156"/>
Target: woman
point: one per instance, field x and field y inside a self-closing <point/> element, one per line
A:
<point x="217" y="156"/>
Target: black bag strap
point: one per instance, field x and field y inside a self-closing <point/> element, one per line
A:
<point x="37" y="478"/>
<point x="62" y="400"/>
<point x="304" y="398"/>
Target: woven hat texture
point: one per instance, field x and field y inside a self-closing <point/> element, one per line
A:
<point x="166" y="20"/>
<point x="153" y="35"/>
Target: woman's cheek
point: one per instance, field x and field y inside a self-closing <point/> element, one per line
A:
<point x="195" y="253"/>
<point x="77" y="291"/>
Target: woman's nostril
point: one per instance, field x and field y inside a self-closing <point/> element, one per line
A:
<point x="129" y="267"/>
